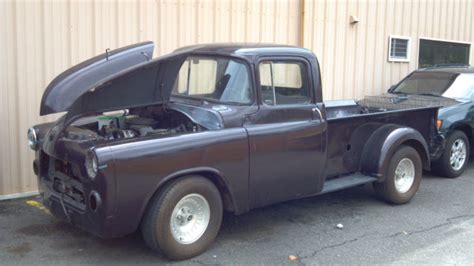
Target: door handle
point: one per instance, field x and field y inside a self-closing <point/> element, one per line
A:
<point x="316" y="109"/>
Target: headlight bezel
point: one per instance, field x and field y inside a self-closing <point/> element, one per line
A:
<point x="32" y="137"/>
<point x="92" y="164"/>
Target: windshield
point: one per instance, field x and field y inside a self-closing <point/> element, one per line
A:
<point x="450" y="85"/>
<point x="213" y="78"/>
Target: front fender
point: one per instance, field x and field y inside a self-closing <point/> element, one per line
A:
<point x="210" y="173"/>
<point x="383" y="143"/>
<point x="143" y="166"/>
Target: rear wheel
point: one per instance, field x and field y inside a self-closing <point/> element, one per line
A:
<point x="454" y="159"/>
<point x="183" y="219"/>
<point x="402" y="177"/>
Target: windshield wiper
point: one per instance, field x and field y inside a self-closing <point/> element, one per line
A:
<point x="398" y="92"/>
<point x="428" y="94"/>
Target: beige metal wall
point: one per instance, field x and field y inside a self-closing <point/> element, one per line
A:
<point x="354" y="57"/>
<point x="39" y="39"/>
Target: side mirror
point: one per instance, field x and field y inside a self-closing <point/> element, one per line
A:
<point x="391" y="88"/>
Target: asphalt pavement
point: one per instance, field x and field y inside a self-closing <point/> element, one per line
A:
<point x="436" y="228"/>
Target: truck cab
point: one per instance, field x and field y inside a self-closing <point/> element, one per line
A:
<point x="166" y="145"/>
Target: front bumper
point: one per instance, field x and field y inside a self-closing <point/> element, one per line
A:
<point x="78" y="214"/>
<point x="437" y="147"/>
<point x="73" y="197"/>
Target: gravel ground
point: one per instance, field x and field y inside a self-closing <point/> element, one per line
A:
<point x="437" y="227"/>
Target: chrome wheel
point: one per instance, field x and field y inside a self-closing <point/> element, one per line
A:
<point x="190" y="218"/>
<point x="404" y="175"/>
<point x="458" y="154"/>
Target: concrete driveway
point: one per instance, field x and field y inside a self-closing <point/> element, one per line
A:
<point x="437" y="227"/>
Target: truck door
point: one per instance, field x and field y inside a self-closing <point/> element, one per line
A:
<point x="287" y="136"/>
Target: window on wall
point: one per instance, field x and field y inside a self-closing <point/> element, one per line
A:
<point x="283" y="82"/>
<point x="443" y="53"/>
<point x="399" y="49"/>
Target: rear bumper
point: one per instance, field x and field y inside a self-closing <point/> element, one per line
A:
<point x="437" y="147"/>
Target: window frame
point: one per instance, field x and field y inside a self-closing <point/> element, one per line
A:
<point x="243" y="61"/>
<point x="440" y="40"/>
<point x="307" y="72"/>
<point x="397" y="59"/>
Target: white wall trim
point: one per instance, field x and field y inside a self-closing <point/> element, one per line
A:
<point x="442" y="40"/>
<point x="18" y="195"/>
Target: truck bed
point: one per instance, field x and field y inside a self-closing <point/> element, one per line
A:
<point x="376" y="104"/>
<point x="350" y="124"/>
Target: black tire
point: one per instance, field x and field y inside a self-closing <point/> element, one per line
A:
<point x="443" y="166"/>
<point x="156" y="227"/>
<point x="387" y="190"/>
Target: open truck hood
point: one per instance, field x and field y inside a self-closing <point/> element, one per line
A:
<point x="120" y="79"/>
<point x="72" y="83"/>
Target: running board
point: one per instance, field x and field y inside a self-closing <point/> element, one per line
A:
<point x="346" y="182"/>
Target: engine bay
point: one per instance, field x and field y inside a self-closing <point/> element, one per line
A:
<point x="138" y="122"/>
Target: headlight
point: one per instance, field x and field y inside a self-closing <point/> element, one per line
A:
<point x="91" y="164"/>
<point x="32" y="138"/>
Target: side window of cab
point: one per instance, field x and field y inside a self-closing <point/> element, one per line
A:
<point x="284" y="82"/>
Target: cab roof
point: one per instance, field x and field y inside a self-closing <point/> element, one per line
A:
<point x="109" y="81"/>
<point x="245" y="49"/>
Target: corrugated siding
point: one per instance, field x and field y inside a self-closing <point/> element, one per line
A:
<point x="353" y="58"/>
<point x="40" y="39"/>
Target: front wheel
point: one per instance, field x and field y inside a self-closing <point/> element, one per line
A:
<point x="184" y="218"/>
<point x="402" y="177"/>
<point x="454" y="159"/>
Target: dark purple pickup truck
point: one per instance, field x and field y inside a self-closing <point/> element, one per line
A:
<point x="167" y="144"/>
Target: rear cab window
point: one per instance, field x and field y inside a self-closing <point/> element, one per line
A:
<point x="283" y="82"/>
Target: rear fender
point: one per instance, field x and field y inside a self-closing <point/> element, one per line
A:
<point x="383" y="143"/>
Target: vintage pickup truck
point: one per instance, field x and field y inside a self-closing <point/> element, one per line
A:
<point x="167" y="144"/>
